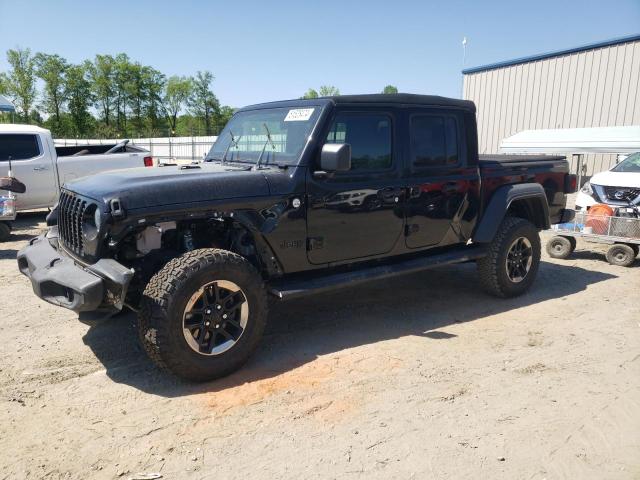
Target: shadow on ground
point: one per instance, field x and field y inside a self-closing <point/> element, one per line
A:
<point x="25" y="227"/>
<point x="30" y="219"/>
<point x="301" y="330"/>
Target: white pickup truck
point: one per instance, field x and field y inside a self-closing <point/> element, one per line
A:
<point x="44" y="168"/>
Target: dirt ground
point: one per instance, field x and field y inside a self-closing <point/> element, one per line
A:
<point x="420" y="377"/>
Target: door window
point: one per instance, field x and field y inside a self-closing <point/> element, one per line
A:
<point x="18" y="147"/>
<point x="434" y="141"/>
<point x="369" y="136"/>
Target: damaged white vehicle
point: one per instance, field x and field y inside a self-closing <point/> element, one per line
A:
<point x="618" y="187"/>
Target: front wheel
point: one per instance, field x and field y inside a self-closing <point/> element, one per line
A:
<point x="512" y="262"/>
<point x="203" y="314"/>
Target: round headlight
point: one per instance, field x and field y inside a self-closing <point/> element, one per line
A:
<point x="97" y="218"/>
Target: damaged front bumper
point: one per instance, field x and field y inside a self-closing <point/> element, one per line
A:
<point x="61" y="280"/>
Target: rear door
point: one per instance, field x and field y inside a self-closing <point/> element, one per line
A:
<point x="358" y="213"/>
<point x="31" y="164"/>
<point x="443" y="187"/>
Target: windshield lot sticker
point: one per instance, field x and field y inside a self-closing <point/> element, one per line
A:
<point x="299" y="115"/>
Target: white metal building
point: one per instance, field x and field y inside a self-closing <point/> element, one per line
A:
<point x="596" y="85"/>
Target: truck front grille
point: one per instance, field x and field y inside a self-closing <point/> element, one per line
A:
<point x="71" y="210"/>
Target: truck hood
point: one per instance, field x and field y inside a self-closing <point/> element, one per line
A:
<point x="616" y="179"/>
<point x="158" y="186"/>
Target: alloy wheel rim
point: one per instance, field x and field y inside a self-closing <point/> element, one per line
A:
<point x="519" y="259"/>
<point x="215" y="317"/>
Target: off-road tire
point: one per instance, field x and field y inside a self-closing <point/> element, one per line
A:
<point x="621" y="255"/>
<point x="492" y="268"/>
<point x="5" y="232"/>
<point x="160" y="320"/>
<point x="561" y="247"/>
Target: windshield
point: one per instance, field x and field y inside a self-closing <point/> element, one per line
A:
<point x="629" y="164"/>
<point x="273" y="135"/>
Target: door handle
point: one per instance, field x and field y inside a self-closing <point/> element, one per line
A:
<point x="39" y="169"/>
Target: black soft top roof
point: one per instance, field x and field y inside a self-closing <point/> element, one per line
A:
<point x="407" y="99"/>
<point x="381" y="98"/>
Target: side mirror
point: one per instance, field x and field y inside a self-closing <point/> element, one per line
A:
<point x="335" y="157"/>
<point x="12" y="185"/>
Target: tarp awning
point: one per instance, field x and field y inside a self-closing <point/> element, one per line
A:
<point x="6" y="105"/>
<point x="613" y="140"/>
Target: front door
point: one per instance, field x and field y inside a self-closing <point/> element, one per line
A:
<point x="32" y="166"/>
<point x="358" y="213"/>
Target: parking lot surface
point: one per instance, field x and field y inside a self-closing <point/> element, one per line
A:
<point x="420" y="377"/>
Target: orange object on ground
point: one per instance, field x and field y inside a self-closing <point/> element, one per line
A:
<point x="597" y="218"/>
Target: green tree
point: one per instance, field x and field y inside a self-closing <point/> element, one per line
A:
<point x="155" y="83"/>
<point x="390" y="89"/>
<point x="128" y="98"/>
<point x="123" y="73"/>
<point x="35" y="118"/>
<point x="311" y="93"/>
<point x="3" y="83"/>
<point x="79" y="97"/>
<point x="4" y="116"/>
<point x="224" y="116"/>
<point x="140" y="91"/>
<point x="20" y="82"/>
<point x="328" y="91"/>
<point x="101" y="74"/>
<point x="52" y="70"/>
<point x="203" y="103"/>
<point x="178" y="92"/>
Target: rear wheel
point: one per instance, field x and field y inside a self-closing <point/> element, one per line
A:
<point x="561" y="247"/>
<point x="203" y="314"/>
<point x="621" y="254"/>
<point x="512" y="262"/>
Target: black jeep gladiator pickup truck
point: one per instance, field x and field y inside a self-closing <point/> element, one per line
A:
<point x="295" y="197"/>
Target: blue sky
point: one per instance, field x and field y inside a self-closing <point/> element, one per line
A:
<point x="270" y="50"/>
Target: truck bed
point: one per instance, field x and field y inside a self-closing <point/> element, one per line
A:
<point x="547" y="170"/>
<point x="77" y="166"/>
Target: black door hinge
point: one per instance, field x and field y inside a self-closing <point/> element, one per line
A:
<point x="411" y="229"/>
<point x="315" y="243"/>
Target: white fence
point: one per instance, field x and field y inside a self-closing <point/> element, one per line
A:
<point x="163" y="149"/>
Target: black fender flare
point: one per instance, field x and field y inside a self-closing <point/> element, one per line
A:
<point x="257" y="227"/>
<point x="500" y="202"/>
